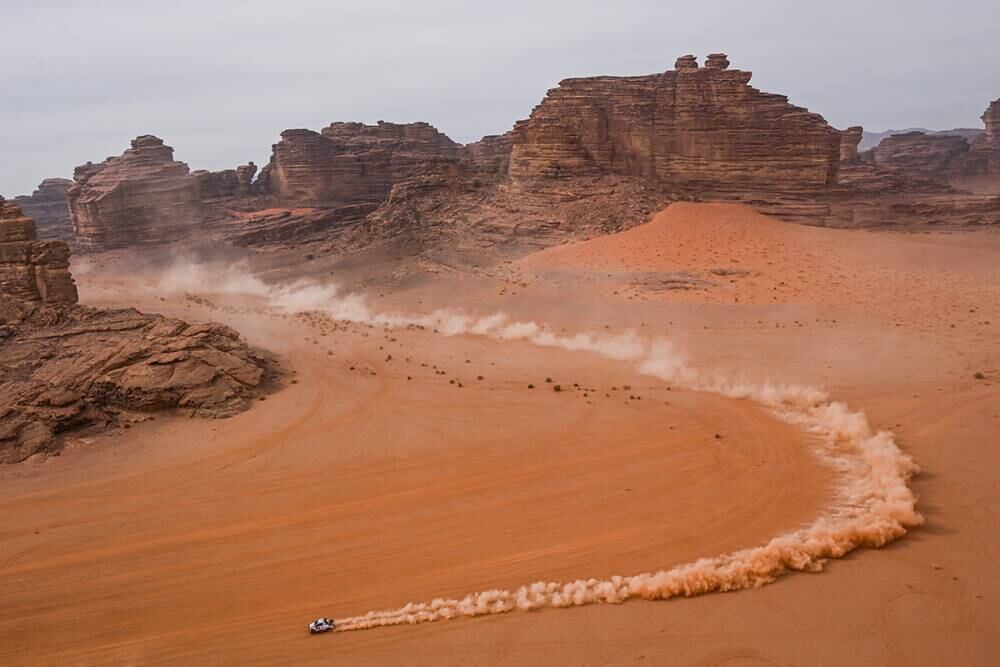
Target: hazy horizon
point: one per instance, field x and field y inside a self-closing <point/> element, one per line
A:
<point x="219" y="81"/>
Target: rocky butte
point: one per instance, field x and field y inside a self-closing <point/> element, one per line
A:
<point x="49" y="208"/>
<point x="65" y="367"/>
<point x="141" y="197"/>
<point x="689" y="128"/>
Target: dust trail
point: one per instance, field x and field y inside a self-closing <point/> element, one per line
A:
<point x="874" y="505"/>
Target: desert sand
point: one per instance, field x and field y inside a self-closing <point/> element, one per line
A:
<point x="400" y="464"/>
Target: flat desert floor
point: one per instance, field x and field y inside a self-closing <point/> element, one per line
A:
<point x="402" y="464"/>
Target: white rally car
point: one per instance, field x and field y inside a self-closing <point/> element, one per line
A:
<point x="321" y="625"/>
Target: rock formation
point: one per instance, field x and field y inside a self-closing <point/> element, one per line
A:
<point x="49" y="208"/>
<point x="65" y="366"/>
<point x="142" y="197"/>
<point x="694" y="132"/>
<point x="870" y="140"/>
<point x="700" y="129"/>
<point x="930" y="155"/>
<point x="215" y="184"/>
<point x="244" y="178"/>
<point x="353" y="163"/>
<point x="991" y="118"/>
<point x="227" y="183"/>
<point x="849" y="140"/>
<point x="980" y="170"/>
<point x="32" y="271"/>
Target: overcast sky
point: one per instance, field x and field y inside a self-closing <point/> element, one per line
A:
<point x="219" y="80"/>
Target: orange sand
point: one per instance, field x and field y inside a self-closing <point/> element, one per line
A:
<point x="193" y="541"/>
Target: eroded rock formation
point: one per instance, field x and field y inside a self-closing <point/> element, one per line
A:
<point x="849" y="140"/>
<point x="694" y="132"/>
<point x="353" y="163"/>
<point x="227" y="183"/>
<point x="48" y="206"/>
<point x="32" y="271"/>
<point x="141" y="197"/>
<point x="980" y="170"/>
<point x="66" y="367"/>
<point x="697" y="128"/>
<point x="929" y="155"/>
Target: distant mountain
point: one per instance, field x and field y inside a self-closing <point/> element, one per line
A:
<point x="873" y="139"/>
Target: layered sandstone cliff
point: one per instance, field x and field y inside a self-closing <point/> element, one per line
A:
<point x="697" y="128"/>
<point x="352" y="163"/>
<point x="48" y="206"/>
<point x="32" y="271"/>
<point x="141" y="197"/>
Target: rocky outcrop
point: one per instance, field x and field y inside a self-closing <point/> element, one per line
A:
<point x="991" y="118"/>
<point x="928" y="155"/>
<point x="213" y="185"/>
<point x="980" y="170"/>
<point x="141" y="197"/>
<point x="244" y="178"/>
<point x="870" y="140"/>
<point x="849" y="140"/>
<point x="65" y="367"/>
<point x="48" y="206"/>
<point x="32" y="271"/>
<point x="692" y="128"/>
<point x="353" y="163"/>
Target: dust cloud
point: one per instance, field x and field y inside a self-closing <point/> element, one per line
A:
<point x="873" y="506"/>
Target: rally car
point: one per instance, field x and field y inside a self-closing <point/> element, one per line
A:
<point x="321" y="625"/>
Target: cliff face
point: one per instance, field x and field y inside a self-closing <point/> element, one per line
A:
<point x="49" y="208"/>
<point x="32" y="271"/>
<point x="142" y="197"/>
<point x="352" y="163"/>
<point x="695" y="127"/>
